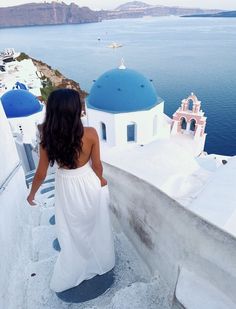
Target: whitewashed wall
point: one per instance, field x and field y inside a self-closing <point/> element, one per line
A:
<point x="28" y="126"/>
<point x="172" y="240"/>
<point x="95" y="118"/>
<point x="8" y="154"/>
<point x="12" y="203"/>
<point x="116" y="125"/>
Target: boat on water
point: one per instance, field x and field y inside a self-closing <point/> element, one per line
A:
<point x="115" y="45"/>
<point x="8" y="55"/>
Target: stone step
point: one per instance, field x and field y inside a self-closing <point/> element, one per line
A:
<point x="41" y="215"/>
<point x="30" y="176"/>
<point x="140" y="295"/>
<point x="43" y="237"/>
<point x="194" y="292"/>
<point x="46" y="215"/>
<point x="128" y="270"/>
<point x="89" y="289"/>
<point x="127" y="286"/>
<point x="46" y="200"/>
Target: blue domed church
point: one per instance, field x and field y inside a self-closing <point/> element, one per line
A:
<point x="124" y="107"/>
<point x="24" y="113"/>
<point x="20" y="103"/>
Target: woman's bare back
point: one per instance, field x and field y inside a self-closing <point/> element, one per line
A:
<point x="91" y="152"/>
<point x="90" y="143"/>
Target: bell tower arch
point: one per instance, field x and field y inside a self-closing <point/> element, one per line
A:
<point x="189" y="120"/>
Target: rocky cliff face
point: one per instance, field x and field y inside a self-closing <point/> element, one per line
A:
<point x="46" y="14"/>
<point x="53" y="79"/>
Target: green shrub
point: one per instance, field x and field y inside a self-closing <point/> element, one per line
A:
<point x="22" y="56"/>
<point x="47" y="89"/>
<point x="45" y="92"/>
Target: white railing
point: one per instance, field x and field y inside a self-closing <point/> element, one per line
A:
<point x="5" y="183"/>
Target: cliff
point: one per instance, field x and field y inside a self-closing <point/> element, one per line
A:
<point x="37" y="14"/>
<point x="34" y="14"/>
<point x="53" y="79"/>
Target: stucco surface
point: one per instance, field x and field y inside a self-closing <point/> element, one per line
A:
<point x="170" y="237"/>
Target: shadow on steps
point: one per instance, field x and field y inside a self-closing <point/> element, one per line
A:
<point x="88" y="289"/>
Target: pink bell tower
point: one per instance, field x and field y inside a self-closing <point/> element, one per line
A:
<point x="190" y="123"/>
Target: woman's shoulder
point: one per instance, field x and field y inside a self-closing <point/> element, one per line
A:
<point x="90" y="132"/>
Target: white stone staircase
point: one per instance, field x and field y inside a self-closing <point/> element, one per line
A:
<point x="133" y="286"/>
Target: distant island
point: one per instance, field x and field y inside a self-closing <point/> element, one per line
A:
<point x="55" y="13"/>
<point x="227" y="14"/>
<point x="136" y="9"/>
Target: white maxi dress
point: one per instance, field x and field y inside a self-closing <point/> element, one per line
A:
<point x="83" y="228"/>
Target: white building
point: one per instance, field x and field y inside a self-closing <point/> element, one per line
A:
<point x="124" y="108"/>
<point x="24" y="73"/>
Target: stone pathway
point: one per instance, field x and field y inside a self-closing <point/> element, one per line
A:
<point x="129" y="285"/>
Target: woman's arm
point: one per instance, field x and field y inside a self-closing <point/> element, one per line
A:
<point x="95" y="158"/>
<point x="39" y="175"/>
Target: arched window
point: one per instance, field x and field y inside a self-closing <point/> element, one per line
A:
<point x="103" y="131"/>
<point x="190" y="104"/>
<point x="155" y="125"/>
<point x="183" y="123"/>
<point x="131" y="132"/>
<point x="193" y="125"/>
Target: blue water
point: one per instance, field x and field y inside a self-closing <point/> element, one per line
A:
<point x="180" y="55"/>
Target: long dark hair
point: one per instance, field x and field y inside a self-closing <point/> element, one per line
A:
<point x="62" y="130"/>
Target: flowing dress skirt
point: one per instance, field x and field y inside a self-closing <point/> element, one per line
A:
<point x="83" y="228"/>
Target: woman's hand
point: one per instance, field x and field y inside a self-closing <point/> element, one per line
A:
<point x="30" y="200"/>
<point x="103" y="182"/>
<point x="39" y="175"/>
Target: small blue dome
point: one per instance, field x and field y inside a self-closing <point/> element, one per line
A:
<point x="20" y="103"/>
<point x="122" y="91"/>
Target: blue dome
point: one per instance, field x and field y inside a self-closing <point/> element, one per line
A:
<point x="20" y="103"/>
<point x="122" y="91"/>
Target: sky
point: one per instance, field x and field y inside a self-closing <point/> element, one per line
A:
<point x="110" y="4"/>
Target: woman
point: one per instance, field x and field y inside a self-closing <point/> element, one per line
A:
<point x="82" y="218"/>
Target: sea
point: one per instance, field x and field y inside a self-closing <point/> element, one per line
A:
<point x="180" y="55"/>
